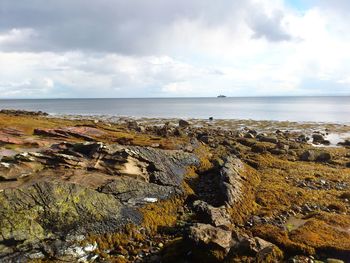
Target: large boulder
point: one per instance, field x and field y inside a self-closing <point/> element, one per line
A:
<point x="52" y="210"/>
<point x="84" y="188"/>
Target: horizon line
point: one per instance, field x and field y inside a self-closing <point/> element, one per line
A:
<point x="189" y="97"/>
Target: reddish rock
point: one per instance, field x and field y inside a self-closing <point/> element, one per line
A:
<point x="82" y="132"/>
<point x="11" y="136"/>
<point x="7" y="139"/>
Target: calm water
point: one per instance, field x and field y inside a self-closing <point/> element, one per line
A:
<point x="320" y="109"/>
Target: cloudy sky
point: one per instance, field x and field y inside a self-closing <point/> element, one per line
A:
<point x="173" y="48"/>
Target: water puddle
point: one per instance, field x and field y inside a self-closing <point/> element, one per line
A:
<point x="334" y="139"/>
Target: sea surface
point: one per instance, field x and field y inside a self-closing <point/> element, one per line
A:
<point x="317" y="109"/>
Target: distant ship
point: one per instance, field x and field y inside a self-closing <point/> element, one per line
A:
<point x="221" y="96"/>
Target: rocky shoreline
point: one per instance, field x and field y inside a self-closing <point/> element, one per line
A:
<point x="108" y="189"/>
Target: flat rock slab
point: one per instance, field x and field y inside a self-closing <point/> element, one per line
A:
<point x="82" y="132"/>
<point x="49" y="210"/>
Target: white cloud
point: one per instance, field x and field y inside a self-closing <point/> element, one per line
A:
<point x="255" y="47"/>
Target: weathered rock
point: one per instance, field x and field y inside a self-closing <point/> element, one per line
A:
<point x="52" y="210"/>
<point x="133" y="192"/>
<point x="217" y="216"/>
<point x="311" y="155"/>
<point x="165" y="167"/>
<point x="333" y="260"/>
<point x="208" y="235"/>
<point x="269" y="254"/>
<point x="254" y="245"/>
<point x="317" y="138"/>
<point x="82" y="132"/>
<point x="249" y="135"/>
<point x="302" y="138"/>
<point x="205" y="138"/>
<point x="259" y="148"/>
<point x="133" y="125"/>
<point x="6" y="139"/>
<point x="184" y="124"/>
<point x="14" y="136"/>
<point x="323" y="157"/>
<point x="345" y="143"/>
<point x="231" y="180"/>
<point x="308" y="155"/>
<point x="270" y="139"/>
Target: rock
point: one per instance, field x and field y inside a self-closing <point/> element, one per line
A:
<point x="23" y="112"/>
<point x="246" y="142"/>
<point x="184" y="124"/>
<point x="311" y="155"/>
<point x="254" y="132"/>
<point x="333" y="260"/>
<point x="308" y="155"/>
<point x="323" y="157"/>
<point x="50" y="210"/>
<point x="345" y="143"/>
<point x="302" y="138"/>
<point x="259" y="148"/>
<point x="216" y="216"/>
<point x="163" y="131"/>
<point x="231" y="181"/>
<point x="6" y="139"/>
<point x="206" y="139"/>
<point x="254" y="245"/>
<point x="211" y="118"/>
<point x="133" y="192"/>
<point x="269" y="254"/>
<point x="85" y="133"/>
<point x="14" y="136"/>
<point x="89" y="149"/>
<point x="270" y="139"/>
<point x="164" y="167"/>
<point x="208" y="235"/>
<point x="317" y="138"/>
<point x="249" y="135"/>
<point x="133" y="125"/>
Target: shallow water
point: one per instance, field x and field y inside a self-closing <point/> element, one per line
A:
<point x="318" y="109"/>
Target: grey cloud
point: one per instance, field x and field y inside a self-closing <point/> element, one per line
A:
<point x="128" y="27"/>
<point x="268" y="27"/>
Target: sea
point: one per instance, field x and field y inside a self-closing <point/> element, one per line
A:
<point x="335" y="109"/>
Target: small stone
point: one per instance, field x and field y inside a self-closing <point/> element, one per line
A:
<point x="160" y="245"/>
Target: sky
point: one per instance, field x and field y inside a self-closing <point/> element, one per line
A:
<point x="173" y="48"/>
